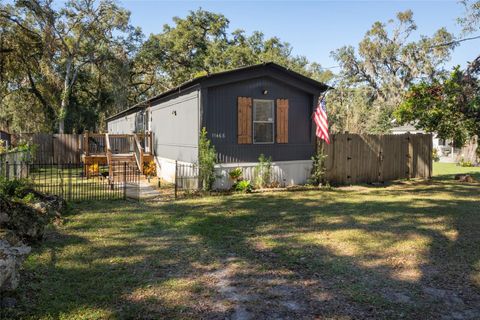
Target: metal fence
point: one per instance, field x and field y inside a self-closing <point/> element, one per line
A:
<point x="186" y="178"/>
<point x="75" y="181"/>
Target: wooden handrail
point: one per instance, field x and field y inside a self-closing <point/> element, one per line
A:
<point x="139" y="157"/>
<point x="107" y="143"/>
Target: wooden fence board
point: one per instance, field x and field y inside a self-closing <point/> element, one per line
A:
<point x="53" y="148"/>
<point x="355" y="158"/>
<point x="350" y="158"/>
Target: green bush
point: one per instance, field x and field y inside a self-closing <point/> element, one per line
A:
<point x="263" y="172"/>
<point x="27" y="148"/>
<point x="14" y="188"/>
<point x="236" y="174"/>
<point x="207" y="158"/>
<point x="435" y="156"/>
<point x="243" y="186"/>
<point x="318" y="173"/>
<point x="463" y="163"/>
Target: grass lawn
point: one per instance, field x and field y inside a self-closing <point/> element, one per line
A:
<point x="409" y="250"/>
<point x="444" y="171"/>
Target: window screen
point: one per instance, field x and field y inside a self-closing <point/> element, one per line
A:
<point x="263" y="121"/>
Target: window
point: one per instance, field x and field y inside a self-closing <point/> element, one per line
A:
<point x="263" y="115"/>
<point x="139" y="122"/>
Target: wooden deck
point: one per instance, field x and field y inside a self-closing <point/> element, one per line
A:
<point x="111" y="149"/>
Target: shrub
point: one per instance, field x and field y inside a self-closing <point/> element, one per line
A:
<point x="149" y="168"/>
<point x="243" y="186"/>
<point x="263" y="172"/>
<point x="464" y="163"/>
<point x="236" y="174"/>
<point x="207" y="158"/>
<point x="3" y="147"/>
<point x="435" y="156"/>
<point x="14" y="188"/>
<point x="28" y="148"/>
<point x="93" y="169"/>
<point x="317" y="175"/>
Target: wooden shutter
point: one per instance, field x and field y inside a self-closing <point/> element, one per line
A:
<point x="282" y="120"/>
<point x="244" y="130"/>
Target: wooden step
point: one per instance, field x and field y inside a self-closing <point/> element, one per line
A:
<point x="121" y="160"/>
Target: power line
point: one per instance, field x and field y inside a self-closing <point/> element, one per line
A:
<point x="455" y="42"/>
<point x="434" y="46"/>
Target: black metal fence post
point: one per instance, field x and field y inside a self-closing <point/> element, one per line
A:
<point x="176" y="177"/>
<point x="69" y="181"/>
<point x="124" y="181"/>
<point x="62" y="182"/>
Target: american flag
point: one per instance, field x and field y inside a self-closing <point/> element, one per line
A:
<point x="320" y="118"/>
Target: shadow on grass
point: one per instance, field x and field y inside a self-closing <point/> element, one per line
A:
<point x="273" y="234"/>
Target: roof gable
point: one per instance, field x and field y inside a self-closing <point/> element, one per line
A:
<point x="265" y="70"/>
<point x="269" y="69"/>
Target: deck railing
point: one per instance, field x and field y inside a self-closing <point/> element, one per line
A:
<point x="146" y="141"/>
<point x="96" y="144"/>
<point x="122" y="143"/>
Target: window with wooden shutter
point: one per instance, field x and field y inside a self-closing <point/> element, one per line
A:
<point x="244" y="130"/>
<point x="263" y="121"/>
<point x="282" y="120"/>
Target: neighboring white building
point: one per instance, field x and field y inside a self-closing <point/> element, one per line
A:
<point x="445" y="149"/>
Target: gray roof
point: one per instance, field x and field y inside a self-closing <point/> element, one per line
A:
<point x="406" y="127"/>
<point x="320" y="87"/>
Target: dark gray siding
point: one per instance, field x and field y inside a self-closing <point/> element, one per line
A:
<point x="220" y="118"/>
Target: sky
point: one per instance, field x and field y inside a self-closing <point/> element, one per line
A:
<point x="313" y="28"/>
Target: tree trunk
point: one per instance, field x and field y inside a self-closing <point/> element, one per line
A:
<point x="61" y="119"/>
<point x="65" y="96"/>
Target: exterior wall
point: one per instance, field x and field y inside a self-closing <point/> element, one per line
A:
<point x="220" y="119"/>
<point x="286" y="173"/>
<point x="122" y="125"/>
<point x="175" y="127"/>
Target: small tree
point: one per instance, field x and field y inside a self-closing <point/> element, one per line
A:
<point x="318" y="173"/>
<point x="263" y="172"/>
<point x="449" y="106"/>
<point x="207" y="157"/>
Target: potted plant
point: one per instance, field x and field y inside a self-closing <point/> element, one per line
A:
<point x="236" y="174"/>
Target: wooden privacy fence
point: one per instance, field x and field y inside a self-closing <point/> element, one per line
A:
<point x="353" y="158"/>
<point x="54" y="148"/>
